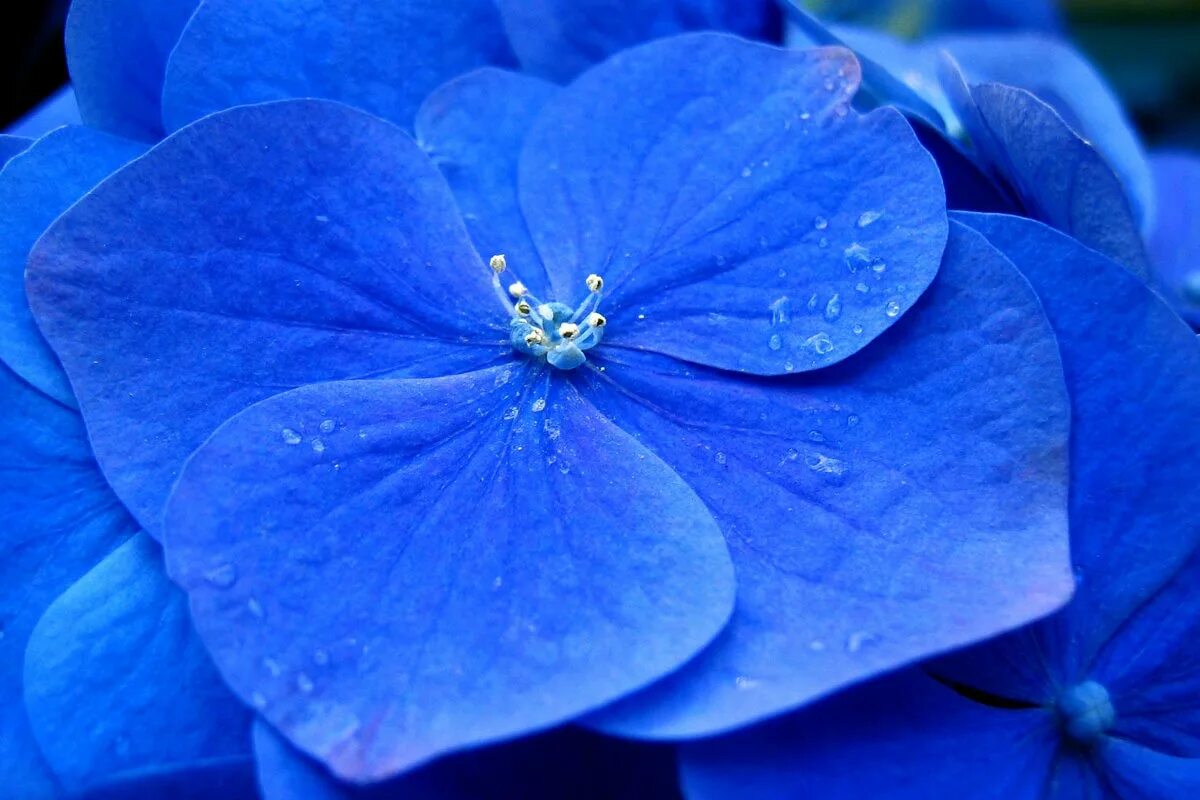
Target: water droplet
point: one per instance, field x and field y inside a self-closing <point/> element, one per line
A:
<point x="867" y="217"/>
<point x="641" y="316"/>
<point x="820" y="342"/>
<point x="322" y="218"/>
<point x="862" y="288"/>
<point x="774" y="342"/>
<point x="892" y="309"/>
<point x="304" y="683"/>
<point x="781" y="310"/>
<point x="272" y="667"/>
<point x="856" y="257"/>
<point x="852" y="420"/>
<point x="258" y="700"/>
<point x="820" y="223"/>
<point x="816" y="436"/>
<point x="320" y="657"/>
<point x="502" y="378"/>
<point x="823" y="243"/>
<point x="812" y="303"/>
<point x="498" y="582"/>
<point x="878" y="266"/>
<point x="816" y="645"/>
<point x="744" y="684"/>
<point x="552" y="428"/>
<point x="792" y="454"/>
<point x="824" y="464"/>
<point x="222" y="576"/>
<point x="746" y="172"/>
<point x="788" y="366"/>
<point x="805" y="115"/>
<point x="721" y="458"/>
<point x="290" y="436"/>
<point x="858" y="329"/>
<point x="511" y="413"/>
<point x="539" y="404"/>
<point x="254" y="607"/>
<point x="856" y="640"/>
<point x="833" y="309"/>
<point x="829" y="85"/>
<point x="326" y="426"/>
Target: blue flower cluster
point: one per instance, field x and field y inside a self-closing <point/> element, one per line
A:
<point x="595" y="399"/>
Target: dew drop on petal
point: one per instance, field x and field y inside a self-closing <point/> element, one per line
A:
<point x="792" y="454"/>
<point x="892" y="309"/>
<point x="856" y="640"/>
<point x="254" y="607"/>
<point x="774" y="342"/>
<point x="721" y="459"/>
<point x="856" y="257"/>
<point x="320" y="657"/>
<point x="788" y="366"/>
<point x="222" y="576"/>
<point x="820" y="342"/>
<point x="816" y="645"/>
<point x="820" y="223"/>
<point x="858" y="329"/>
<point x="744" y="684"/>
<point x="852" y="420"/>
<point x="318" y="446"/>
<point x="326" y="426"/>
<point x="816" y="436"/>
<point x="746" y="172"/>
<point x="539" y="404"/>
<point x="867" y="217"/>
<point x="824" y="464"/>
<point x="833" y="309"/>
<point x="304" y="683"/>
<point x="272" y="667"/>
<point x="862" y="288"/>
<point x="290" y="436"/>
<point x="511" y="413"/>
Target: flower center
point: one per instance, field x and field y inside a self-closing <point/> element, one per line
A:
<point x="1086" y="711"/>
<point x="554" y="332"/>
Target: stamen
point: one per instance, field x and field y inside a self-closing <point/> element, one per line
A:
<point x="545" y="312"/>
<point x="594" y="282"/>
<point x="568" y="330"/>
<point x="523" y="308"/>
<point x="517" y="289"/>
<point x="498" y="263"/>
<point x="535" y="336"/>
<point x="596" y="320"/>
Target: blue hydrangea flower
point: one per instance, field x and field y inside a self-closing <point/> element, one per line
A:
<point x="1099" y="700"/>
<point x="440" y="509"/>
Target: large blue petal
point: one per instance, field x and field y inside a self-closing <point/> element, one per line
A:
<point x="60" y="519"/>
<point x="903" y="738"/>
<point x="263" y="248"/>
<point x="383" y="57"/>
<point x="1059" y="177"/>
<point x="473" y="128"/>
<point x="743" y="216"/>
<point x="1175" y="241"/>
<point x="117" y="52"/>
<point x="391" y="570"/>
<point x="35" y="187"/>
<point x="908" y="501"/>
<point x="1133" y="369"/>
<point x="11" y="145"/>
<point x="229" y="778"/>
<point x="563" y="763"/>
<point x="1138" y="773"/>
<point x="116" y="681"/>
<point x="558" y="39"/>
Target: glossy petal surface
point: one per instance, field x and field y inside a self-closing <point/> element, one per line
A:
<point x="736" y="210"/>
<point x="552" y="565"/>
<point x="564" y="762"/>
<point x="904" y="737"/>
<point x="298" y="242"/>
<point x="908" y="501"/>
<point x="117" y="53"/>
<point x="117" y="683"/>
<point x="382" y="57"/>
<point x="35" y="187"/>
<point x="558" y="39"/>
<point x="60" y="519"/>
<point x="1175" y="242"/>
<point x="1060" y="178"/>
<point x="473" y="128"/>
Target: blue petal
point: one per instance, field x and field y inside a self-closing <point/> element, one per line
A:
<point x="117" y="52"/>
<point x="224" y="778"/>
<point x="473" y="128"/>
<point x="35" y="188"/>
<point x="906" y="502"/>
<point x="1175" y="241"/>
<point x="558" y="39"/>
<point x="1133" y="369"/>
<point x="117" y="682"/>
<point x="55" y="111"/>
<point x="59" y="520"/>
<point x="742" y="215"/>
<point x="10" y="146"/>
<point x="1138" y="773"/>
<point x="1059" y="177"/>
<point x="381" y="57"/>
<point x="563" y="763"/>
<point x="439" y="563"/>
<point x="1061" y="77"/>
<point x="260" y="249"/>
<point x="903" y="738"/>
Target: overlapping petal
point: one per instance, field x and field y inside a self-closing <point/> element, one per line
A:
<point x="1174" y="243"/>
<point x="11" y="145"/>
<point x="908" y="501"/>
<point x="431" y="564"/>
<point x="743" y="216"/>
<point x="383" y="57"/>
<point x="118" y="688"/>
<point x="35" y="187"/>
<point x="263" y="248"/>
<point x="57" y="110"/>
<point x="117" y="53"/>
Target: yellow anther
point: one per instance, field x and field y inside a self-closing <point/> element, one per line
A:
<point x="517" y="289"/>
<point x="568" y="330"/>
<point x="595" y="282"/>
<point x="534" y="337"/>
<point x="524" y="309"/>
<point x="596" y="320"/>
<point x="498" y="263"/>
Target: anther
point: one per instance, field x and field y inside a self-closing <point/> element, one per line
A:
<point x="568" y="330"/>
<point x="596" y="320"/>
<point x="498" y="263"/>
<point x="594" y="282"/>
<point x="523" y="308"/>
<point x="535" y="336"/>
<point x="545" y="312"/>
<point x="517" y="289"/>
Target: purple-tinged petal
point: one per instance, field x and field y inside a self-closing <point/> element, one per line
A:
<point x="906" y="502"/>
<point x="117" y="53"/>
<point x="382" y="57"/>
<point x="473" y="128"/>
<point x="260" y="249"/>
<point x="741" y="214"/>
<point x="904" y="738"/>
<point x="393" y="570"/>
<point x="35" y="188"/>
<point x="1174" y="243"/>
<point x="117" y="684"/>
<point x="1059" y="177"/>
<point x="558" y="39"/>
<point x="60" y="519"/>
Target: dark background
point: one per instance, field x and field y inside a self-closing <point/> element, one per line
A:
<point x="1149" y="50"/>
